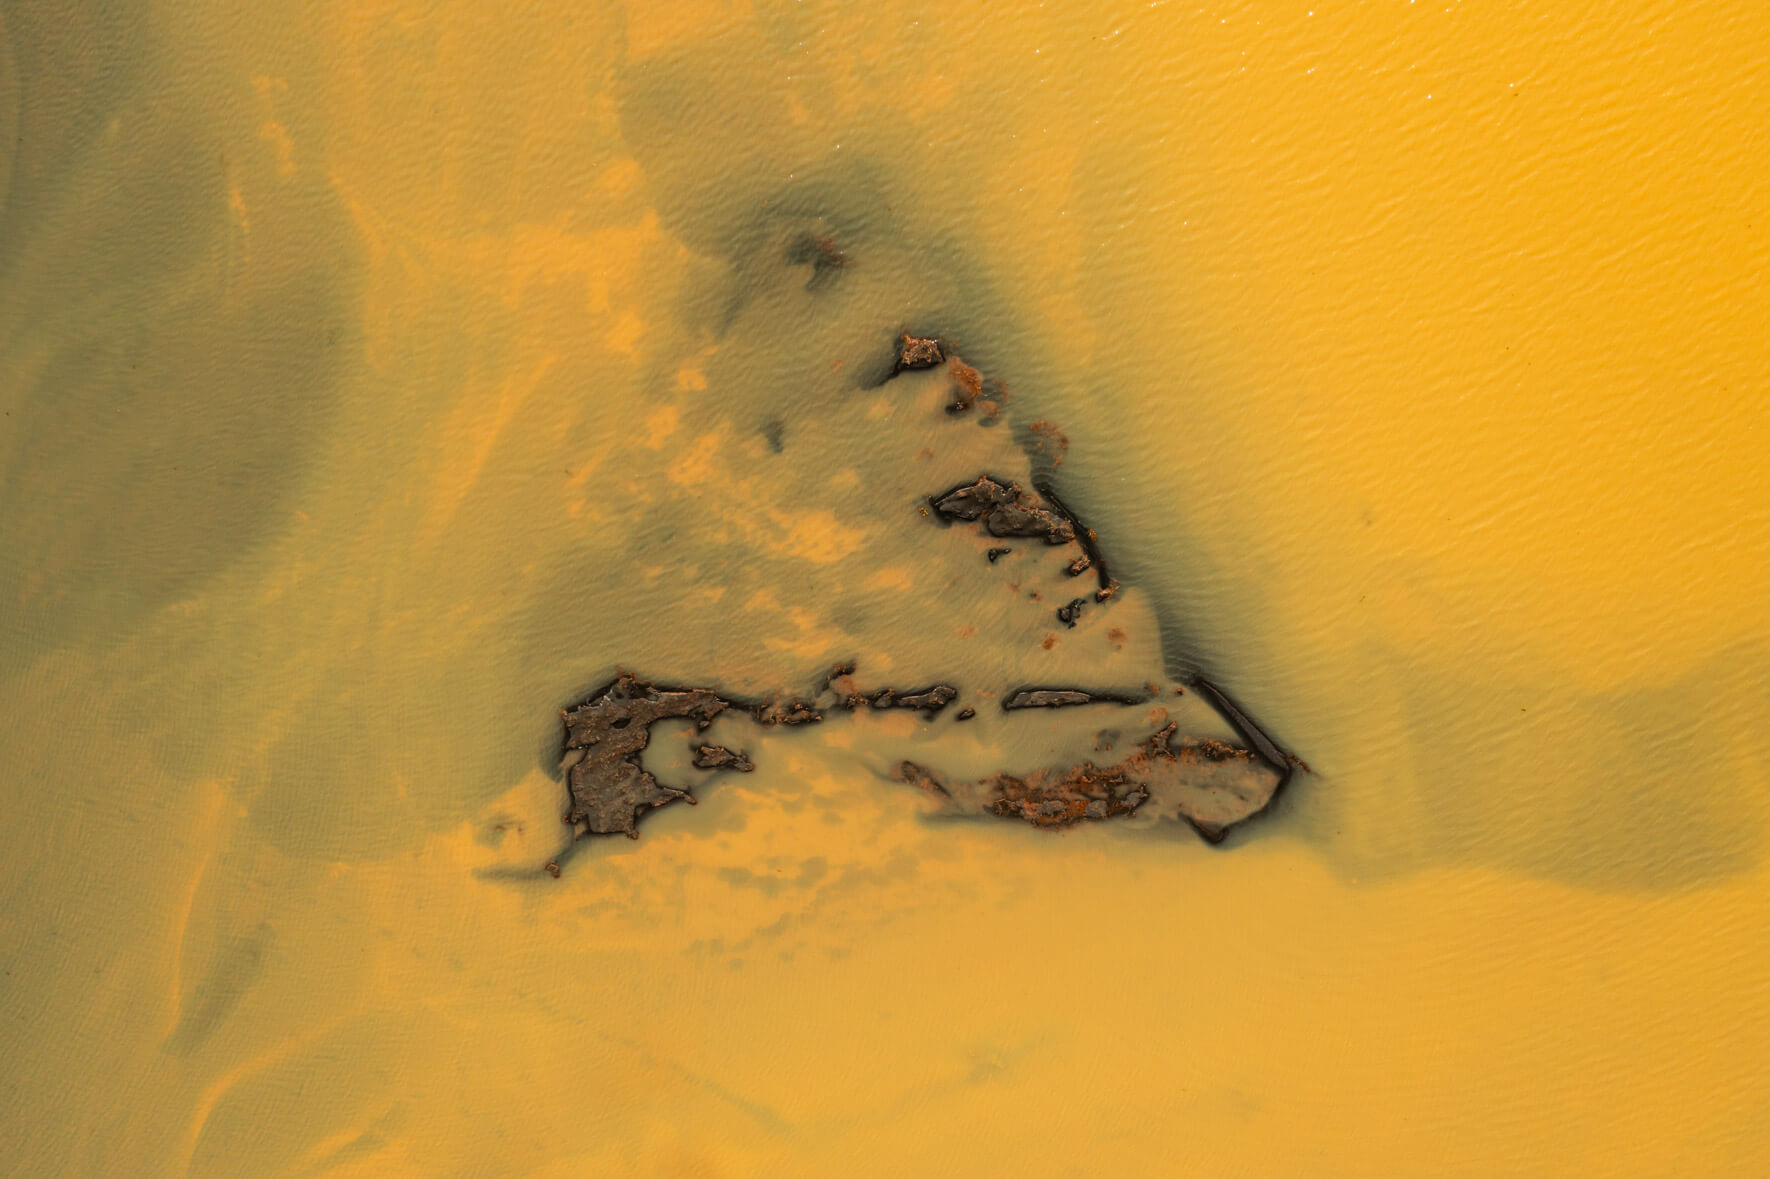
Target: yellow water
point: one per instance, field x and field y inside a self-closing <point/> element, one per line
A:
<point x="377" y="378"/>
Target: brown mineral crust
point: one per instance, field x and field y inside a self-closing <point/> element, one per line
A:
<point x="718" y="757"/>
<point x="919" y="352"/>
<point x="1020" y="519"/>
<point x="821" y="252"/>
<point x="1065" y="797"/>
<point x="787" y="710"/>
<point x="930" y="700"/>
<point x="1250" y="732"/>
<point x="970" y="501"/>
<point x="967" y="385"/>
<point x="1005" y="510"/>
<point x="1051" y="440"/>
<point x="609" y="789"/>
<point x="839" y="671"/>
<point x="1218" y="786"/>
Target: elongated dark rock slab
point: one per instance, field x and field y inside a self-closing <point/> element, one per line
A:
<point x="1063" y="698"/>
<point x="928" y="700"/>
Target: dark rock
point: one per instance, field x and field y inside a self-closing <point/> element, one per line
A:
<point x="1219" y="786"/>
<point x="928" y="700"/>
<point x="967" y="386"/>
<point x="1212" y="786"/>
<point x="1005" y="510"/>
<point x="609" y="789"/>
<point x="1080" y="565"/>
<point x="1269" y="750"/>
<point x="965" y="714"/>
<point x="995" y="555"/>
<point x="1069" y="615"/>
<point x="787" y="711"/>
<point x="919" y="352"/>
<point x="1062" y="698"/>
<point x="1085" y="536"/>
<point x="718" y="757"/>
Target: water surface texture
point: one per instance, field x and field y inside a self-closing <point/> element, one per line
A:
<point x="377" y="378"/>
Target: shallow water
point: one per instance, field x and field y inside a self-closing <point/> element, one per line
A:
<point x="377" y="381"/>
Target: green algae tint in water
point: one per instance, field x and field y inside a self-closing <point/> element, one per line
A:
<point x="377" y="380"/>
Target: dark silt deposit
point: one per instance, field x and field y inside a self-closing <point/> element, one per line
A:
<point x="1213" y="783"/>
<point x="1006" y="510"/>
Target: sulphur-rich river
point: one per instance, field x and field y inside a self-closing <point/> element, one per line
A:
<point x="379" y="378"/>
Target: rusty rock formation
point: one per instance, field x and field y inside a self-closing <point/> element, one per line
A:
<point x="1210" y="785"/>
